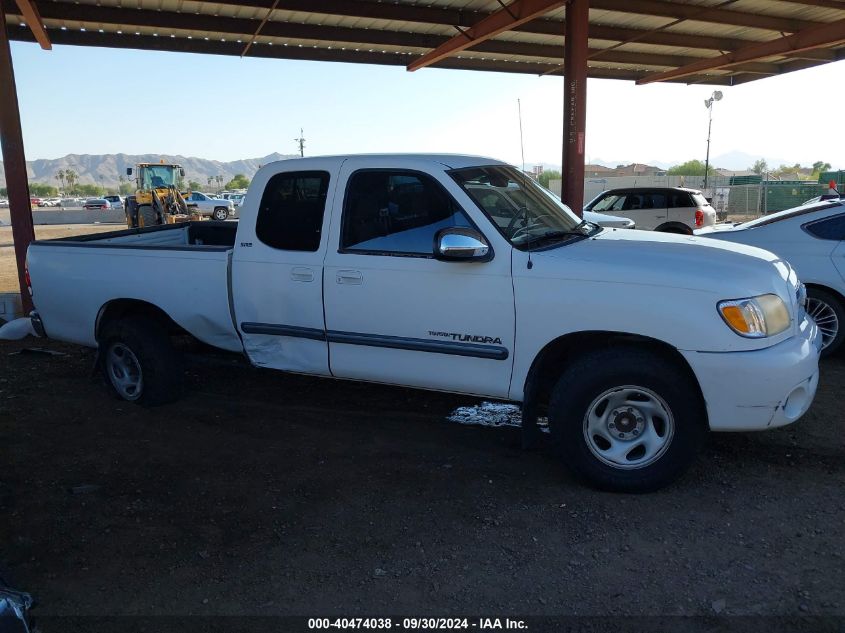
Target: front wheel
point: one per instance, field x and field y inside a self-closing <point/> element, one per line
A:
<point x="626" y="419"/>
<point x="220" y="213"/>
<point x="828" y="313"/>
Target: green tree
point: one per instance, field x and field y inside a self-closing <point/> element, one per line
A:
<point x="4" y="192"/>
<point x="89" y="190"/>
<point x="546" y="176"/>
<point x="760" y="166"/>
<point x="193" y="185"/>
<point x="690" y="168"/>
<point x="126" y="188"/>
<point x="43" y="191"/>
<point x="819" y="167"/>
<point x="72" y="177"/>
<point x="60" y="176"/>
<point x="238" y="182"/>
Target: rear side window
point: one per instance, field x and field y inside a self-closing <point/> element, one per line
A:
<point x="396" y="212"/>
<point x="700" y="200"/>
<point x="828" y="229"/>
<point x="678" y="199"/>
<point x="290" y="216"/>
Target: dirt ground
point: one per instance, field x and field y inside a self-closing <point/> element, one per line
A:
<point x="8" y="270"/>
<point x="262" y="493"/>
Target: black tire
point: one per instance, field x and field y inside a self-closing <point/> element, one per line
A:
<point x="621" y="370"/>
<point x="159" y="365"/>
<point x="827" y="308"/>
<point x="147" y="216"/>
<point x="220" y="213"/>
<point x="674" y="230"/>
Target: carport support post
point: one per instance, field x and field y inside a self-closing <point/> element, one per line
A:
<point x="575" y="103"/>
<point x="14" y="162"/>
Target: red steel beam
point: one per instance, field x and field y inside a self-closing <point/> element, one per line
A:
<point x="515" y="14"/>
<point x="575" y="103"/>
<point x="812" y="37"/>
<point x="33" y="21"/>
<point x="14" y="162"/>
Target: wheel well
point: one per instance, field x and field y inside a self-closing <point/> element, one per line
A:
<point x="674" y="227"/>
<point x="122" y="308"/>
<point x="835" y="293"/>
<point x="547" y="366"/>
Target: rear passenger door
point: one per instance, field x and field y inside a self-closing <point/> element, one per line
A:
<point x="394" y="313"/>
<point x="277" y="270"/>
<point x="644" y="208"/>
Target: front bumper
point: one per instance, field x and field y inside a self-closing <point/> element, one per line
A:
<point x="761" y="389"/>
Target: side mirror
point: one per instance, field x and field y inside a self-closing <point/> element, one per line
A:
<point x="182" y="172"/>
<point x="128" y="171"/>
<point x="461" y="244"/>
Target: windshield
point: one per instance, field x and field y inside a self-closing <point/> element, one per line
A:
<point x="613" y="202"/>
<point x="520" y="209"/>
<point x="158" y="176"/>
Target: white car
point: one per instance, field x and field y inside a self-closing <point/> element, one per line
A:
<point x="207" y="205"/>
<point x="508" y="201"/>
<point x="115" y="202"/>
<point x="391" y="269"/>
<point x="812" y="239"/>
<point x="664" y="209"/>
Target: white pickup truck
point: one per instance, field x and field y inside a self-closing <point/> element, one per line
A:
<point x="391" y="269"/>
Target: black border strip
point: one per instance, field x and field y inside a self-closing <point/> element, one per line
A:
<point x="472" y="350"/>
<point x="284" y="330"/>
<point x="493" y="352"/>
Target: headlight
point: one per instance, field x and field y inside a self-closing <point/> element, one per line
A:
<point x="756" y="317"/>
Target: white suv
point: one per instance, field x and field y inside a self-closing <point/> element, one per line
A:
<point x="666" y="209"/>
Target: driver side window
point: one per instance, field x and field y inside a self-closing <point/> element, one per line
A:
<point x="396" y="212"/>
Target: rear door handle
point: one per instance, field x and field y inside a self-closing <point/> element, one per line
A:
<point x="301" y="273"/>
<point x="352" y="277"/>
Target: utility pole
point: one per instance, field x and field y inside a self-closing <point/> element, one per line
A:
<point x="301" y="142"/>
<point x="716" y="96"/>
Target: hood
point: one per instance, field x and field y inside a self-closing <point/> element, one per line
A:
<point x="726" y="269"/>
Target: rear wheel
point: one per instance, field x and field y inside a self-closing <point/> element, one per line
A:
<point x="828" y="313"/>
<point x="139" y="361"/>
<point x="627" y="419"/>
<point x="221" y="213"/>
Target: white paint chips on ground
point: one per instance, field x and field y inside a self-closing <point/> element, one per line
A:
<point x="488" y="414"/>
<point x="492" y="414"/>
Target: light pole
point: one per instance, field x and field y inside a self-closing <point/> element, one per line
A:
<point x="716" y="96"/>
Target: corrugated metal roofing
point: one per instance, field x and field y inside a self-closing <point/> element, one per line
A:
<point x="628" y="39"/>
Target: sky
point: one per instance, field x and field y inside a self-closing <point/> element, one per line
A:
<point x="99" y="101"/>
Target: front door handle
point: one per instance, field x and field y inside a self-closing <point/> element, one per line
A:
<point x="352" y="277"/>
<point x="301" y="273"/>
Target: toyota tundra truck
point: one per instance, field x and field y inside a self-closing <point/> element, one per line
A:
<point x="399" y="269"/>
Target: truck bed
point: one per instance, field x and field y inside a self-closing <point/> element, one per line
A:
<point x="182" y="269"/>
<point x="214" y="236"/>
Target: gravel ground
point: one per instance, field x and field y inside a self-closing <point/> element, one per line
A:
<point x="262" y="493"/>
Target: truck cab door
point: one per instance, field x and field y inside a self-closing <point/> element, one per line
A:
<point x="277" y="269"/>
<point x="396" y="314"/>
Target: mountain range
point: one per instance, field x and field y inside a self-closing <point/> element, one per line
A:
<point x="106" y="169"/>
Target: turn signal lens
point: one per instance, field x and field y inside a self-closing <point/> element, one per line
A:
<point x="756" y="317"/>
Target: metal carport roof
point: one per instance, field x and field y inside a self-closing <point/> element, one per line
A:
<point x="628" y="39"/>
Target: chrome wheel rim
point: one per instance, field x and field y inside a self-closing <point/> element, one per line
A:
<point x="825" y="317"/>
<point x="628" y="427"/>
<point x="124" y="371"/>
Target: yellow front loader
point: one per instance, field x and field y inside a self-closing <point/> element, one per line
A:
<point x="157" y="199"/>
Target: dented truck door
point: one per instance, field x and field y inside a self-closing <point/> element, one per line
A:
<point x="277" y="268"/>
